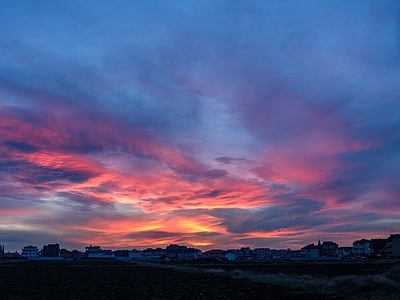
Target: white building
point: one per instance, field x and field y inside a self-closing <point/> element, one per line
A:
<point x="97" y="252"/>
<point x="30" y="252"/>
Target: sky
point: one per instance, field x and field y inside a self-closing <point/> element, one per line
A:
<point x="213" y="124"/>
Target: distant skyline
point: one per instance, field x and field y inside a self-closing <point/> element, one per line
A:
<point x="113" y="248"/>
<point x="214" y="124"/>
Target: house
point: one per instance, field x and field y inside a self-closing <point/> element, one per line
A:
<point x="393" y="246"/>
<point x="176" y="252"/>
<point x="51" y="250"/>
<point x="135" y="254"/>
<point x="121" y="254"/>
<point x="30" y="252"/>
<point x="283" y="253"/>
<point x="96" y="252"/>
<point x="377" y="248"/>
<point x="361" y="248"/>
<point x="108" y="254"/>
<point x="65" y="254"/>
<point x="345" y="252"/>
<point x="311" y="251"/>
<point x="154" y="254"/>
<point x="229" y="255"/>
<point x="329" y="249"/>
<point x="295" y="254"/>
<point x="215" y="253"/>
<point x="76" y="255"/>
<point x="244" y="253"/>
<point x="261" y="253"/>
<point x="71" y="255"/>
<point x="194" y="253"/>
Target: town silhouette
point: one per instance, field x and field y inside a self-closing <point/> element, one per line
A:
<point x="380" y="248"/>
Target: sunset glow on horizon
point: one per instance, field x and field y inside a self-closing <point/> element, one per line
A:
<point x="213" y="124"/>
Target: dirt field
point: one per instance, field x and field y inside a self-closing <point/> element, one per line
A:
<point x="129" y="280"/>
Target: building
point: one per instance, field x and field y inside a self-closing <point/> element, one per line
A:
<point x="229" y="255"/>
<point x="261" y="253"/>
<point x="275" y="254"/>
<point x="282" y="253"/>
<point x="30" y="252"/>
<point x="71" y="255"/>
<point x="194" y="253"/>
<point x="154" y="253"/>
<point x="135" y="254"/>
<point x="1" y="251"/>
<point x="393" y="246"/>
<point x="295" y="253"/>
<point x="51" y="250"/>
<point x="244" y="253"/>
<point x="121" y="254"/>
<point x="311" y="251"/>
<point x="214" y="253"/>
<point x="377" y="248"/>
<point x="361" y="248"/>
<point x="345" y="252"/>
<point x="75" y="255"/>
<point x="329" y="249"/>
<point x="96" y="252"/>
<point x="176" y="252"/>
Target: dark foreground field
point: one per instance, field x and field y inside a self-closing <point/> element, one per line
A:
<point x="128" y="280"/>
